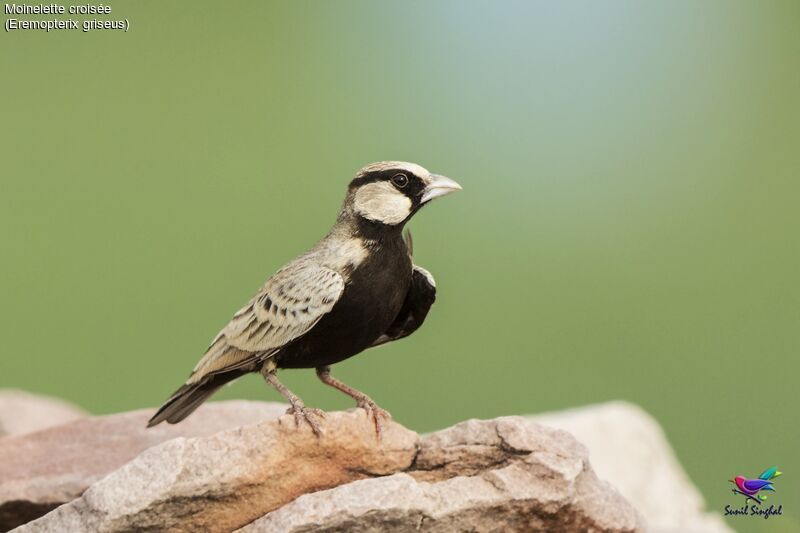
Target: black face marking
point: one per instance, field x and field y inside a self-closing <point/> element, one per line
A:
<point x="400" y="180"/>
<point x="413" y="188"/>
<point x="387" y="175"/>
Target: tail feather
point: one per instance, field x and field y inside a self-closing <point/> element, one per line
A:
<point x="190" y="396"/>
<point x="770" y="473"/>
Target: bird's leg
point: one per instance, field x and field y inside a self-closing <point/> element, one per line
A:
<point x="363" y="401"/>
<point x="301" y="413"/>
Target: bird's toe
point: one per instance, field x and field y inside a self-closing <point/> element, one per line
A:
<point x="377" y="414"/>
<point x="308" y="415"/>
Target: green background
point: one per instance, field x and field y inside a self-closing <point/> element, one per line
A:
<point x="628" y="226"/>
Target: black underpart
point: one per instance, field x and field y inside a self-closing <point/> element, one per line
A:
<point x="419" y="299"/>
<point x="189" y="397"/>
<point x="369" y="305"/>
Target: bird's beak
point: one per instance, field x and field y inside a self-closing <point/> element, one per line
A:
<point x="438" y="186"/>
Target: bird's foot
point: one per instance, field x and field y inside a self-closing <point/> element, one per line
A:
<point x="309" y="415"/>
<point x="377" y="414"/>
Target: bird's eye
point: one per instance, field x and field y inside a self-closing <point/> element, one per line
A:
<point x="400" y="180"/>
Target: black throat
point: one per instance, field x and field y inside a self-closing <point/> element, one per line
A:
<point x="370" y="230"/>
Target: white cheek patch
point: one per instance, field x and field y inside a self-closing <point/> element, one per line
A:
<point x="381" y="202"/>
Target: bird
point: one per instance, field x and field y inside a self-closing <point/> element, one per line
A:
<point x="355" y="289"/>
<point x="752" y="487"/>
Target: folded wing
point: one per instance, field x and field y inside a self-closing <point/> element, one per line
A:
<point x="288" y="305"/>
<point x="419" y="299"/>
<point x="757" y="484"/>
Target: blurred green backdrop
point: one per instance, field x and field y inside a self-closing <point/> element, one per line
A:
<point x="628" y="226"/>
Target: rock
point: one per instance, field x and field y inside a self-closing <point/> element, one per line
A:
<point x="211" y="474"/>
<point x="628" y="448"/>
<point x="23" y="412"/>
<point x="227" y="480"/>
<point x="40" y="471"/>
<point x="505" y="474"/>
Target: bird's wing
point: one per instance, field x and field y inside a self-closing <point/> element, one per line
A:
<point x="288" y="305"/>
<point x="756" y="484"/>
<point x="419" y="299"/>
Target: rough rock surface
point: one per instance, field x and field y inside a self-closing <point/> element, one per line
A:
<point x="628" y="448"/>
<point x="505" y="474"/>
<point x="227" y="480"/>
<point x="41" y="470"/>
<point x="23" y="412"/>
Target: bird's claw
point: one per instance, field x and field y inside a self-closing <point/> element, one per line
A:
<point x="377" y="414"/>
<point x="309" y="415"/>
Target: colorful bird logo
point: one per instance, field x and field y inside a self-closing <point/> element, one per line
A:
<point x="751" y="488"/>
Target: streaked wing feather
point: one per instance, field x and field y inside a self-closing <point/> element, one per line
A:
<point x="288" y="305"/>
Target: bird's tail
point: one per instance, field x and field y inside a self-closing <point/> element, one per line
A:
<point x="189" y="397"/>
<point x="770" y="473"/>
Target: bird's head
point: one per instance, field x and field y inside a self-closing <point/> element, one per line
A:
<point x="390" y="192"/>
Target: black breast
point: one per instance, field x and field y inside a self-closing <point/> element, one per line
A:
<point x="369" y="304"/>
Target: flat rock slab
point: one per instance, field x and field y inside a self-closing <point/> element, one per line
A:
<point x="503" y="475"/>
<point x="42" y="470"/>
<point x="23" y="412"/>
<point x="224" y="481"/>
